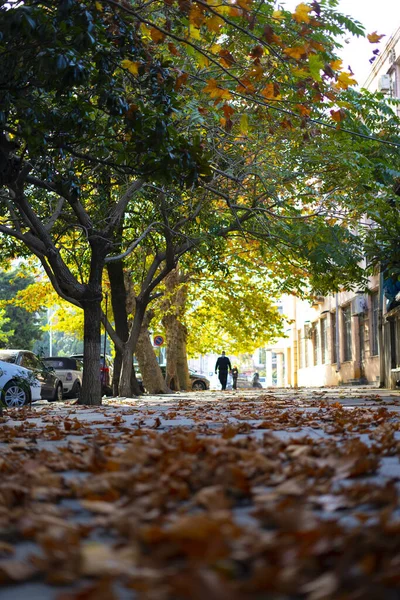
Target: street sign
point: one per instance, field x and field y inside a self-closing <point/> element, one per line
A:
<point x="158" y="340"/>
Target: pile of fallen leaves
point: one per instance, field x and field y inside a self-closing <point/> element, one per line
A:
<point x="258" y="498"/>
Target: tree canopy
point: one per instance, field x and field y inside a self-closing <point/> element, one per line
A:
<point x="164" y="126"/>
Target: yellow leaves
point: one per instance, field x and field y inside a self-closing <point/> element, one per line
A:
<point x="374" y="37"/>
<point x="194" y="33"/>
<point x="132" y="67"/>
<point x="345" y="80"/>
<point x="196" y="16"/>
<point x="224" y="9"/>
<point x="336" y="64"/>
<point x="214" y="23"/>
<point x="256" y="72"/>
<point x="212" y="88"/>
<point x="202" y="60"/>
<point x="296" y="52"/>
<point x="244" y="124"/>
<point x="278" y="15"/>
<point x="301" y="14"/>
<point x="99" y="6"/>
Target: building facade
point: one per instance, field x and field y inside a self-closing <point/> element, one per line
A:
<point x="349" y="337"/>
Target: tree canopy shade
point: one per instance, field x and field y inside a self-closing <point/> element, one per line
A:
<point x="170" y="124"/>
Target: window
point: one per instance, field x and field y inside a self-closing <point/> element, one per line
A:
<point x="324" y="341"/>
<point x="374" y="324"/>
<point x="30" y="361"/>
<point x="306" y="338"/>
<point x="333" y="339"/>
<point x="316" y="344"/>
<point x="346" y="321"/>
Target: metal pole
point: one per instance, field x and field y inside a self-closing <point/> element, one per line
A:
<point x="381" y="349"/>
<point x="105" y="331"/>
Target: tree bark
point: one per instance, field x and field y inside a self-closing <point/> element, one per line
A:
<point x="125" y="382"/>
<point x="153" y="379"/>
<point x="177" y="376"/>
<point x="182" y="360"/>
<point x="91" y="382"/>
<point x="118" y="301"/>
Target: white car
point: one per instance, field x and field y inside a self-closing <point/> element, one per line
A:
<point x="25" y="378"/>
<point x="69" y="371"/>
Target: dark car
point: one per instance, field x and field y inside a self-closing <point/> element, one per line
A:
<point x="106" y="372"/>
<point x="69" y="371"/>
<point x="36" y="373"/>
<point x="198" y="382"/>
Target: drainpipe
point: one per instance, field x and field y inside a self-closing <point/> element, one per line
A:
<point x="381" y="349"/>
<point x="337" y="340"/>
<point x="295" y="359"/>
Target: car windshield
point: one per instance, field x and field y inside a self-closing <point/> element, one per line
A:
<point x="8" y="356"/>
<point x="60" y="363"/>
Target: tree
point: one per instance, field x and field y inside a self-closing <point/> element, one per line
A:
<point x="107" y="97"/>
<point x="20" y="328"/>
<point x="61" y="184"/>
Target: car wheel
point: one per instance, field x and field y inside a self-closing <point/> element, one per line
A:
<point x="14" y="395"/>
<point x="76" y="390"/>
<point x="58" y="394"/>
<point x="198" y="386"/>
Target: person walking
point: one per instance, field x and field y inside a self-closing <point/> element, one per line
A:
<point x="222" y="365"/>
<point x="235" y="375"/>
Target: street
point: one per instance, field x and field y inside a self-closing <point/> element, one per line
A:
<point x="249" y="494"/>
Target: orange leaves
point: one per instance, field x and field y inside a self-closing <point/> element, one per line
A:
<point x="271" y="91"/>
<point x="225" y="503"/>
<point x="338" y="115"/>
<point x="374" y="38"/>
<point x="212" y="88"/>
<point x="181" y="80"/>
<point x="246" y="87"/>
<point x="296" y="52"/>
<point x="227" y="59"/>
<point x="156" y="35"/>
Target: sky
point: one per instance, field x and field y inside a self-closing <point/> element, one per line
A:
<point x="382" y="16"/>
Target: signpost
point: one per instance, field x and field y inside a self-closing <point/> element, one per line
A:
<point x="158" y="340"/>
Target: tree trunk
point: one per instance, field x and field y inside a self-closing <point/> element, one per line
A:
<point x="129" y="348"/>
<point x="119" y="305"/>
<point x="91" y="382"/>
<point x="118" y="301"/>
<point x="177" y="377"/>
<point x="182" y="360"/>
<point x="153" y="379"/>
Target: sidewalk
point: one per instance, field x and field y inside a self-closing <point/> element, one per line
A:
<point x="248" y="494"/>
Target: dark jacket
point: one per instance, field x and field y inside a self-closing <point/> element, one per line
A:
<point x="223" y="364"/>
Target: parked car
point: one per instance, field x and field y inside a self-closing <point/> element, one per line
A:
<point x="106" y="372"/>
<point x="69" y="371"/>
<point x="198" y="382"/>
<point x="25" y="378"/>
